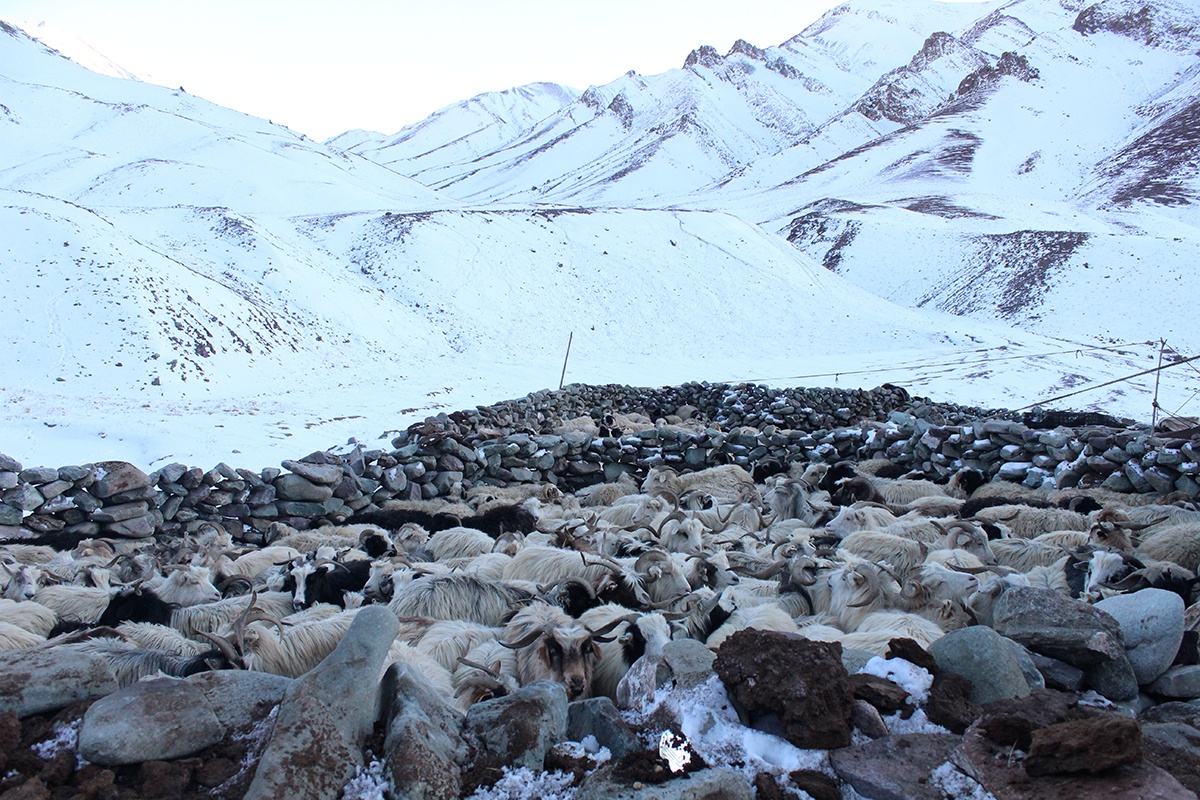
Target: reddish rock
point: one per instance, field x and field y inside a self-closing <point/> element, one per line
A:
<point x="885" y="696"/>
<point x="32" y="789"/>
<point x="800" y="683"/>
<point x="950" y="704"/>
<point x="1001" y="771"/>
<point x="818" y="785"/>
<point x="1086" y="745"/>
<point x="166" y="778"/>
<point x="895" y="767"/>
<point x="913" y="653"/>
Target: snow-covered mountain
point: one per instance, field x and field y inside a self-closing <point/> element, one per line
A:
<point x="188" y="282"/>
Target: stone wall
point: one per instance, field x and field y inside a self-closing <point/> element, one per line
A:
<point x="513" y="442"/>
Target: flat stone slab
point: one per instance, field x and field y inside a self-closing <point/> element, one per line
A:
<point x="895" y="767"/>
<point x="37" y="681"/>
<point x="153" y="720"/>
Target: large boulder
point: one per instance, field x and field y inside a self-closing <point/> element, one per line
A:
<point x="515" y="731"/>
<point x="789" y="685"/>
<point x="326" y="714"/>
<point x="152" y="720"/>
<point x="1152" y="627"/>
<point x="37" y="681"/>
<point x="240" y="698"/>
<point x="423" y="749"/>
<point x="1060" y="627"/>
<point x="985" y="658"/>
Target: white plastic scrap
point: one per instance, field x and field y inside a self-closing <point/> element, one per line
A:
<point x="674" y="751"/>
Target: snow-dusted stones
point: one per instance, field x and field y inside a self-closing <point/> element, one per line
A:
<point x="896" y="767"/>
<point x="151" y="720"/>
<point x="707" y="784"/>
<point x="326" y="714"/>
<point x="516" y="730"/>
<point x="1152" y="627"/>
<point x="985" y="658"/>
<point x="35" y="681"/>
<point x="599" y="718"/>
<point x="1181" y="683"/>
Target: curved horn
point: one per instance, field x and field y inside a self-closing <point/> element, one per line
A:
<point x="525" y="641"/>
<point x="611" y="626"/>
<point x="226" y="648"/>
<point x="473" y="665"/>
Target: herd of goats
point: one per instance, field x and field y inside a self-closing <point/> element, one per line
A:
<point x="510" y="585"/>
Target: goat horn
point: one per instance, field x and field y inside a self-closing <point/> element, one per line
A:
<point x="495" y="673"/>
<point x="862" y="604"/>
<point x="528" y="639"/>
<point x="226" y="648"/>
<point x="611" y="626"/>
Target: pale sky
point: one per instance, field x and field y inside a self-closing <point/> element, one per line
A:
<point x="325" y="67"/>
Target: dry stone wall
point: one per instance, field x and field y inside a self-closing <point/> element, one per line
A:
<point x="514" y="442"/>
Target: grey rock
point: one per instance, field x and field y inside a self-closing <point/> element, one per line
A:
<point x="152" y="720"/>
<point x="114" y="477"/>
<point x="423" y="746"/>
<point x="1152" y="627"/>
<point x="1024" y="659"/>
<point x="24" y="497"/>
<point x="39" y="475"/>
<point x="867" y="720"/>
<point x="296" y="487"/>
<point x="706" y="784"/>
<point x="120" y="513"/>
<point x="1060" y="627"/>
<point x="687" y="662"/>
<point x="1174" y="747"/>
<point x="519" y="729"/>
<point x="136" y="528"/>
<point x="895" y="767"/>
<point x="8" y="480"/>
<point x="326" y="715"/>
<point x="1174" y="711"/>
<point x="9" y="464"/>
<point x="599" y="717"/>
<point x="854" y="660"/>
<point x="10" y="515"/>
<point x="36" y="681"/>
<point x="1058" y="674"/>
<point x="240" y="698"/>
<point x="985" y="658"/>
<point x="1178" y="683"/>
<point x="1115" y="679"/>
<point x="326" y="474"/>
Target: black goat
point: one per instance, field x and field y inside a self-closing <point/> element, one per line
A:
<point x="137" y="604"/>
<point x="494" y="521"/>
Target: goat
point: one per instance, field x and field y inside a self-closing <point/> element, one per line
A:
<point x="459" y="597"/>
<point x="32" y="616"/>
<point x="328" y="581"/>
<point x="1178" y="543"/>
<point x="488" y="670"/>
<point x="552" y="646"/>
<point x="633" y="636"/>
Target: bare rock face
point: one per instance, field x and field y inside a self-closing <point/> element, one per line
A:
<point x="786" y="682"/>
<point x="895" y="767"/>
<point x="1086" y="745"/>
<point x="36" y="681"/>
<point x="516" y="730"/>
<point x="326" y="715"/>
<point x="149" y="721"/>
<point x="423" y="748"/>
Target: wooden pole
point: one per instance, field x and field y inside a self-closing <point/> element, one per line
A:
<point x="568" y="355"/>
<point x="1154" y="405"/>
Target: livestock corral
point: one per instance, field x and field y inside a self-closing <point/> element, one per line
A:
<point x="868" y="539"/>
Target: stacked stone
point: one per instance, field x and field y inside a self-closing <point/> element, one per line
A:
<point x="512" y="443"/>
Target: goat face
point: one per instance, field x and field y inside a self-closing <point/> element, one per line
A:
<point x="562" y="654"/>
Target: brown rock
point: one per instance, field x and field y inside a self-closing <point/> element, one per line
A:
<point x="801" y="683"/>
<point x="1176" y="748"/>
<point x="895" y="767"/>
<point x="32" y="789"/>
<point x="114" y="477"/>
<point x="1086" y="745"/>
<point x="60" y="769"/>
<point x="881" y="693"/>
<point x="215" y="771"/>
<point x="913" y="653"/>
<point x="94" y="782"/>
<point x="166" y="778"/>
<point x="10" y="731"/>
<point x="819" y="785"/>
<point x="767" y="788"/>
<point x="950" y="704"/>
<point x="1001" y="771"/>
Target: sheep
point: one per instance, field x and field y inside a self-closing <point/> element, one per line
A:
<point x="445" y="641"/>
<point x="633" y="636"/>
<point x="459" y="543"/>
<point x="726" y="483"/>
<point x="14" y="637"/>
<point x="1027" y="522"/>
<point x="859" y="518"/>
<point x="1178" y="543"/>
<point x="765" y="617"/>
<point x="75" y="603"/>
<point x="28" y="614"/>
<point x="459" y="597"/>
<point x="488" y="670"/>
<point x="878" y="628"/>
<point x="552" y="646"/>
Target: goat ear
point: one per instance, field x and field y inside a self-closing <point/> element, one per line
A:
<point x="596" y="648"/>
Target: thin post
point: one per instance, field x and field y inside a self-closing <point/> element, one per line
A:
<point x="1154" y="405"/>
<point x="568" y="355"/>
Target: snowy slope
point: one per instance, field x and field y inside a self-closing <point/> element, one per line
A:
<point x="189" y="283"/>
